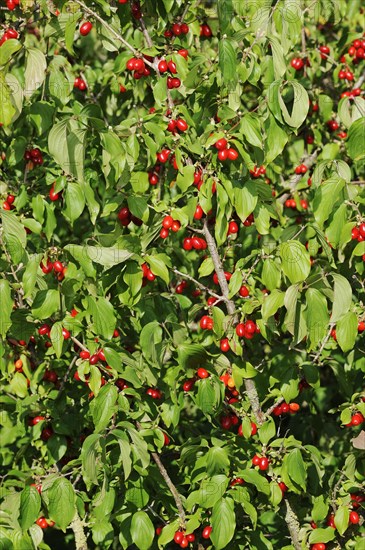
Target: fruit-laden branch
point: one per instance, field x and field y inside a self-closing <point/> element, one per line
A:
<point x="308" y="162"/>
<point x="171" y="486"/>
<point x="250" y="386"/>
<point x="78" y="528"/>
<point x="293" y="525"/>
<point x="200" y="285"/>
<point x="111" y="30"/>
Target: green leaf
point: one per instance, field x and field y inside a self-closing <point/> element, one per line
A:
<point x="317" y="316"/>
<point x="66" y="143"/>
<point x="57" y="338"/>
<point x="255" y="478"/>
<point x="41" y="114"/>
<point x="7" y="110"/>
<point x="299" y="100"/>
<point x="35" y="71"/>
<point x="272" y="303"/>
<point x="227" y="61"/>
<point x="276" y="139"/>
<point x="30" y="505"/>
<point x="320" y="508"/>
<point x="150" y="336"/>
<point x="322" y="535"/>
<point x="245" y="200"/>
<point x="346" y="331"/>
<point x="295" y="261"/>
<point x="280" y="63"/>
<point x="7" y="49"/>
<point x="14" y="235"/>
<point x="157" y="264"/>
<point x="185" y="178"/>
<point x="46" y="303"/>
<point x="6" y="307"/>
<point x="325" y="198"/>
<point x="206" y="396"/>
<point x="223" y="521"/>
<point x="342" y="297"/>
<point x="295" y="467"/>
<point x="61" y="502"/>
<point x="103" y="316"/>
<point x="267" y="431"/>
<point x="355" y="140"/>
<point x="251" y="130"/>
<point x="75" y="201"/>
<point x="105" y="405"/>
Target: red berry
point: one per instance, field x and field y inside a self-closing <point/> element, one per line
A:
<point x="57" y="266"/>
<point x="53" y="195"/>
<point x="46" y="433"/>
<point x="44" y="329"/>
<point x="361" y="228"/>
<point x="42" y="522"/>
<point x="224" y="345"/>
<point x="198" y="213"/>
<point x="187" y="244"/>
<point x="181" y="125"/>
<point x="184" y="28"/>
<point x="221" y="144"/>
<point x="178" y="537"/>
<point x="162" y="66"/>
<point x="66" y="334"/>
<point x="357" y="419"/>
<point x="223" y="154"/>
<point x="244" y="292"/>
<point x="188" y="384"/>
<point x="264" y="463"/>
<point x="354" y="518"/>
<point x="164" y="233"/>
<point x="85" y="28"/>
<point x="176" y="29"/>
<point x="361" y="326"/>
<point x="256" y="460"/>
<point x="172" y="67"/>
<point x="232" y="154"/>
<point x="84" y="354"/>
<point x="184" y="543"/>
<point x="240" y="330"/>
<point x="184" y="53"/>
<point x="167" y="222"/>
<point x="207" y="532"/>
<point x="232" y="228"/>
<point x="202" y="373"/>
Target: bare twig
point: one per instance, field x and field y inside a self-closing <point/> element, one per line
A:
<point x="250" y="386"/>
<point x="78" y="343"/>
<point x="291" y="185"/>
<point x="78" y="528"/>
<point x="318" y="354"/>
<point x="67" y="374"/>
<point x="200" y="285"/>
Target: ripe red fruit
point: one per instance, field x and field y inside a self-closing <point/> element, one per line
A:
<point x="184" y="28"/>
<point x="221" y="144"/>
<point x="205" y="31"/>
<point x="250" y="326"/>
<point x="139" y="65"/>
<point x="181" y="125"/>
<point x="198" y="213"/>
<point x="361" y="326"/>
<point x="206" y="322"/>
<point x="84" y="354"/>
<point x="202" y="373"/>
<point x="53" y="195"/>
<point x="175" y="226"/>
<point x="223" y="155"/>
<point x="162" y="66"/>
<point x="333" y="125"/>
<point x="361" y="228"/>
<point x="187" y="244"/>
<point x="175" y="82"/>
<point x="263" y="463"/>
<point x="232" y="154"/>
<point x="172" y="67"/>
<point x="164" y="233"/>
<point x="85" y="28"/>
<point x="318" y="546"/>
<point x="176" y="29"/>
<point x="167" y="222"/>
<point x="283" y="487"/>
<point x="354" y="518"/>
<point x="224" y="345"/>
<point x="240" y="330"/>
<point x="244" y="292"/>
<point x="190" y="537"/>
<point x="184" y="543"/>
<point x="233" y="228"/>
<point x="184" y="53"/>
<point x="188" y="384"/>
<point x="57" y="266"/>
<point x="42" y="522"/>
<point x="163" y="156"/>
<point x="44" y="329"/>
<point x="226" y="422"/>
<point x="256" y="460"/>
<point x="207" y="532"/>
<point x="357" y="419"/>
<point x="178" y="537"/>
<point x="297" y="63"/>
<point x="37" y="419"/>
<point x="46" y="433"/>
<point x="66" y="334"/>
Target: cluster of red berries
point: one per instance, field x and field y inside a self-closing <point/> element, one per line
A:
<point x="357" y="50"/>
<point x="249" y="220"/>
<point x="12" y="4"/>
<point x="205" y="31"/>
<point x="247" y="330"/>
<point x="228" y="421"/>
<point x="121" y="384"/>
<point x="179" y="124"/>
<point x="147" y="274"/>
<point x="137" y="65"/>
<point x="80" y="84"/>
<point x="297" y="63"/>
<point x="8" y="35"/>
<point x="177" y="29"/>
<point x="291" y="203"/>
<point x="225" y="152"/>
<point x="180" y="287"/>
<point x="231" y="393"/>
<point x="169" y="223"/>
<point x="285" y="408"/>
<point x="261" y="461"/>
<point x="354" y="93"/>
<point x="356" y="420"/>
<point x="183" y="540"/>
<point x="358" y="233"/>
<point x="301" y="169"/>
<point x="8" y="203"/>
<point x="85" y="28"/>
<point x="154" y="393"/>
<point x="43" y="523"/>
<point x="196" y="243"/>
<point x="357" y="500"/>
<point x="346" y="74"/>
<point x="57" y="266"/>
<point x="206" y="322"/>
<point x="125" y="217"/>
<point x="198" y="178"/>
<point x="258" y="171"/>
<point x="34" y="157"/>
<point x="227" y="276"/>
<point x="93" y="359"/>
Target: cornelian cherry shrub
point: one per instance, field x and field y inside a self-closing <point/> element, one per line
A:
<point x="182" y="274"/>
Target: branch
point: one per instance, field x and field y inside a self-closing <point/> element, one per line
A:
<point x="78" y="343"/>
<point x="271" y="409"/>
<point x="292" y="522"/>
<point x="19" y="291"/>
<point x="64" y="379"/>
<point x="318" y="354"/>
<point x="250" y="386"/>
<point x="200" y="285"/>
<point x="111" y="30"/>
<point x="78" y="528"/>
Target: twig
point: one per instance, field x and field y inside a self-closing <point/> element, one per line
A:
<point x="78" y="343"/>
<point x="360" y="81"/>
<point x="111" y="30"/>
<point x="250" y="386"/>
<point x="292" y="522"/>
<point x="64" y="379"/>
<point x="200" y="285"/>
<point x="146" y="33"/>
<point x="271" y="409"/>
<point x="172" y="488"/>
<point x="246" y="276"/>
<point x="318" y="354"/>
<point x="20" y="291"/>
